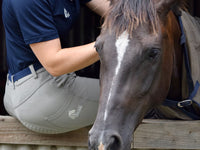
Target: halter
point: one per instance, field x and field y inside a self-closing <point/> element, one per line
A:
<point x="188" y="103"/>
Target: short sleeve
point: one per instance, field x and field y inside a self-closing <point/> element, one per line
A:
<point x="35" y="19"/>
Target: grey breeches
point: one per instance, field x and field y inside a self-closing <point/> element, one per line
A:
<point x="48" y="104"/>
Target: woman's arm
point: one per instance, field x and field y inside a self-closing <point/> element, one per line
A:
<point x="59" y="61"/>
<point x="99" y="6"/>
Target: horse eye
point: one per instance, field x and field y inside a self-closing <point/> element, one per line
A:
<point x="153" y="53"/>
<point x="98" y="47"/>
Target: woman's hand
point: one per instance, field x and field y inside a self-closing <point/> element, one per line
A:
<point x="59" y="61"/>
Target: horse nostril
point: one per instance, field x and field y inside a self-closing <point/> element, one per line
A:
<point x="115" y="143"/>
<point x="109" y="140"/>
<point x="90" y="145"/>
<point x="92" y="142"/>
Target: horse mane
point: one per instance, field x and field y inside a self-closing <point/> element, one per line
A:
<point x="129" y="14"/>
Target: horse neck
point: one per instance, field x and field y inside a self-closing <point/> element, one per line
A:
<point x="175" y="90"/>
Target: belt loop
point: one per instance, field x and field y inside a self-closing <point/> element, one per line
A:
<point x="34" y="73"/>
<point x="8" y="79"/>
<point x="12" y="80"/>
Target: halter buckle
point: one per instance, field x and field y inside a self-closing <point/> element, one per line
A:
<point x="185" y="103"/>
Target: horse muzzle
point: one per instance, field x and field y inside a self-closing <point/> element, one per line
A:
<point x="105" y="140"/>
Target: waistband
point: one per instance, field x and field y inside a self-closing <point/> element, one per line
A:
<point x="24" y="72"/>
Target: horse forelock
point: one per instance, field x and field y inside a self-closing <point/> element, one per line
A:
<point x="129" y="14"/>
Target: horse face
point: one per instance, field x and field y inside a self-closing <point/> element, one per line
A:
<point x="134" y="77"/>
<point x="130" y="79"/>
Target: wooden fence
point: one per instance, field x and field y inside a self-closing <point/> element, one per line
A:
<point x="151" y="134"/>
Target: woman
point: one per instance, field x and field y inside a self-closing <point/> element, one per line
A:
<point x="42" y="91"/>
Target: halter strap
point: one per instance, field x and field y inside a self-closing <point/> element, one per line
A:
<point x="189" y="102"/>
<point x="186" y="56"/>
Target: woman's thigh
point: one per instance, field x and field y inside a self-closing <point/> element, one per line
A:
<point x="56" y="104"/>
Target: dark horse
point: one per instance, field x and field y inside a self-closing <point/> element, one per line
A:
<point x="141" y="65"/>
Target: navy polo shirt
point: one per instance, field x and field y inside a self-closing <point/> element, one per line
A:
<point x="32" y="21"/>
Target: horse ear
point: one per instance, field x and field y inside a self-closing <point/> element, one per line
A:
<point x="164" y="6"/>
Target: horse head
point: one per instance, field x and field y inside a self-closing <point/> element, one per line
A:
<point x="136" y="48"/>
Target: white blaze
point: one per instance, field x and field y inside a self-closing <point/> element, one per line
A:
<point x="121" y="46"/>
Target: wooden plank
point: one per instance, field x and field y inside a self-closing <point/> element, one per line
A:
<point x="37" y="147"/>
<point x="151" y="134"/>
<point x="163" y="134"/>
<point x="12" y="132"/>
